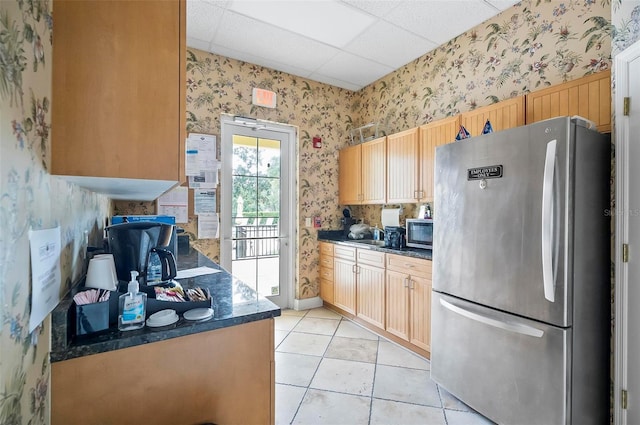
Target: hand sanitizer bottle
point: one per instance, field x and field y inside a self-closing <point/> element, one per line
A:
<point x="132" y="306"/>
<point x="376" y="233"/>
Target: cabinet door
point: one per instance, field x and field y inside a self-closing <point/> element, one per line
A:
<point x="431" y="136"/>
<point x="350" y="175"/>
<point x="420" y="312"/>
<point x="344" y="285"/>
<point x="502" y="115"/>
<point x="371" y="299"/>
<point x="397" y="304"/>
<point x="119" y="89"/>
<point x="402" y="167"/>
<point x="374" y="171"/>
<point x="589" y="97"/>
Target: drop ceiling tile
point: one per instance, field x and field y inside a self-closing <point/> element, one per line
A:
<point x="377" y="8"/>
<point x="440" y="20"/>
<point x="203" y="19"/>
<point x="389" y="45"/>
<point x="353" y="69"/>
<point x="329" y="22"/>
<point x="248" y="35"/>
<point x="220" y="3"/>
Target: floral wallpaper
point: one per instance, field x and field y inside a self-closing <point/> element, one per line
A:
<point x="30" y="198"/>
<point x="535" y="44"/>
<point x="217" y="85"/>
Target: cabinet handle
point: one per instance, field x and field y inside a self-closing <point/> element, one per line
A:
<point x="406" y="282"/>
<point x="409" y="265"/>
<point x="411" y="282"/>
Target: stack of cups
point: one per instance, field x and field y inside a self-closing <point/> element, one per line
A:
<point x="102" y="273"/>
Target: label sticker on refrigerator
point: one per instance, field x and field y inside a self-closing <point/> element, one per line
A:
<point x="480" y="173"/>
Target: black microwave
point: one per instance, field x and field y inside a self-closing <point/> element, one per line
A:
<point x="419" y="233"/>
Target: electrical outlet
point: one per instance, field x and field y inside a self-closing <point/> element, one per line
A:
<point x="307" y="222"/>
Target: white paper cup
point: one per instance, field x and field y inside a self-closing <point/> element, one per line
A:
<point x="102" y="273"/>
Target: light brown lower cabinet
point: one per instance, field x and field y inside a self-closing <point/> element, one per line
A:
<point x="370" y="291"/>
<point x="223" y="376"/>
<point x="344" y="278"/>
<point x="326" y="272"/>
<point x="387" y="293"/>
<point x="409" y="299"/>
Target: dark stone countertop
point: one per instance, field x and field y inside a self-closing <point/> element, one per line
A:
<point x="233" y="302"/>
<point x="337" y="237"/>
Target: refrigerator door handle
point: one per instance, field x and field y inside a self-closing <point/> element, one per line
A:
<point x="511" y="327"/>
<point x="547" y="222"/>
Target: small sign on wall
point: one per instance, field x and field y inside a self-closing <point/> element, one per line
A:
<point x="262" y="97"/>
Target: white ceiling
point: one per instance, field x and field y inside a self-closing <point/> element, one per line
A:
<point x="346" y="43"/>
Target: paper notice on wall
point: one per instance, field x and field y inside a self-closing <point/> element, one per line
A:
<point x="208" y="226"/>
<point x="206" y="179"/>
<point x="45" y="251"/>
<point x="204" y="202"/>
<point x="175" y="203"/>
<point x="201" y="152"/>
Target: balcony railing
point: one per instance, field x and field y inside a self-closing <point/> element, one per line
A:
<point x="253" y="241"/>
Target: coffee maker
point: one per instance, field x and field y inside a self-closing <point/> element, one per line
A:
<point x="137" y="244"/>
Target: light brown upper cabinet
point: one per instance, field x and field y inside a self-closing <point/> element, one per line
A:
<point x="502" y="115"/>
<point x="589" y="97"/>
<point x="374" y="171"/>
<point x="350" y="175"/>
<point x="403" y="166"/>
<point x="432" y="135"/>
<point x="119" y="96"/>
<point x="362" y="173"/>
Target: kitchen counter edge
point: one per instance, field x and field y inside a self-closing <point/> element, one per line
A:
<point x="424" y="254"/>
<point x="234" y="303"/>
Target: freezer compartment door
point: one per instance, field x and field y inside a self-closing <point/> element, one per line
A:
<point x="510" y="369"/>
<point x="503" y="220"/>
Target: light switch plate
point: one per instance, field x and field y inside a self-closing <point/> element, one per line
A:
<point x="307" y="222"/>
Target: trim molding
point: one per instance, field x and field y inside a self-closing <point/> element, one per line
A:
<point x="307" y="303"/>
<point x="621" y="132"/>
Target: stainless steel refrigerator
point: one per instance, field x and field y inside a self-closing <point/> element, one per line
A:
<point x="521" y="273"/>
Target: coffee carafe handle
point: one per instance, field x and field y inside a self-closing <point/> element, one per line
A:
<point x="168" y="264"/>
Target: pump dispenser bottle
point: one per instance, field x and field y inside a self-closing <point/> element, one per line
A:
<point x="132" y="306"/>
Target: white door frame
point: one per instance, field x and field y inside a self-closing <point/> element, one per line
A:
<point x="288" y="250"/>
<point x="621" y="215"/>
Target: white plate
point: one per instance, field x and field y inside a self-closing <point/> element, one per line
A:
<point x="198" y="314"/>
<point x="162" y="318"/>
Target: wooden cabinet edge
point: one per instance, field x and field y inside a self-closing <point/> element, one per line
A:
<point x="250" y="346"/>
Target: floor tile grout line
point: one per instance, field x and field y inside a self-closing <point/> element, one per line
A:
<point x="311" y="380"/>
<point x="373" y="384"/>
<point x="371" y="397"/>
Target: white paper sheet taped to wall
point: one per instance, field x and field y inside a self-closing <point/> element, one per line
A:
<point x="391" y="217"/>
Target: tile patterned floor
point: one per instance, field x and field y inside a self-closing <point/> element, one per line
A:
<point x="332" y="371"/>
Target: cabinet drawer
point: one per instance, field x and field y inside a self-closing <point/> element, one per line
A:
<point x="326" y="249"/>
<point x="409" y="265"/>
<point x="326" y="273"/>
<point x="326" y="290"/>
<point x="344" y="252"/>
<point x="326" y="261"/>
<point x="373" y="258"/>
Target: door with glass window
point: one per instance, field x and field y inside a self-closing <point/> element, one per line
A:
<point x="256" y="207"/>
